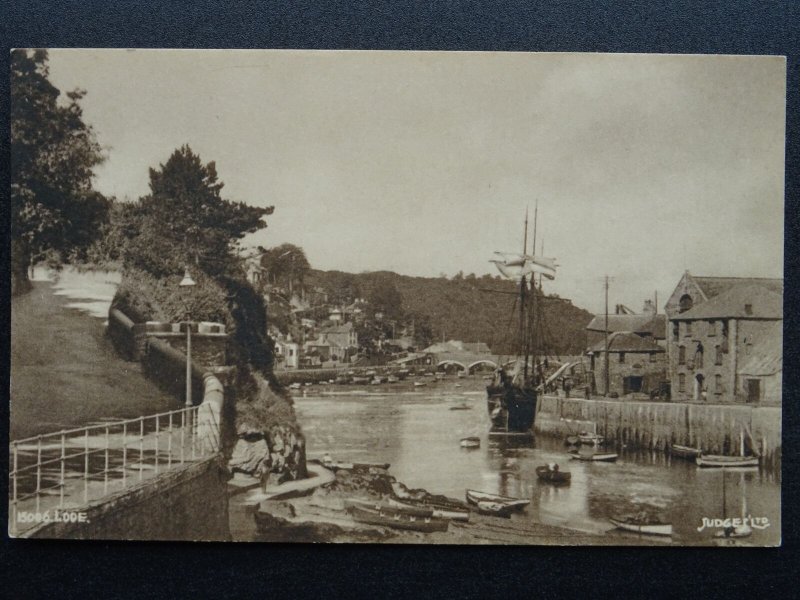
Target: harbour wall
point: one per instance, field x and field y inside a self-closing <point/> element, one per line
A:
<point x="716" y="429"/>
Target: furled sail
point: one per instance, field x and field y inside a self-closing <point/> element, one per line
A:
<point x="517" y="266"/>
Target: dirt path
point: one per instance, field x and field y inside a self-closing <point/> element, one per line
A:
<point x="64" y="371"/>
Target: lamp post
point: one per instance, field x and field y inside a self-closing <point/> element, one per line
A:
<point x="188" y="282"/>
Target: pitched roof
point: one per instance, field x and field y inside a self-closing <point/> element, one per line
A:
<point x="655" y="325"/>
<point x="763" y="303"/>
<point x="714" y="286"/>
<point x="766" y="352"/>
<point x="343" y="328"/>
<point x="627" y="341"/>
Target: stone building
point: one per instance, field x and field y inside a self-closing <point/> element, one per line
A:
<point x="648" y="323"/>
<point x="636" y="364"/>
<point x="725" y="340"/>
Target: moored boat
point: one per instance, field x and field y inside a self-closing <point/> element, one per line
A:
<point x="494" y="509"/>
<point x="596" y="457"/>
<point x="387" y="517"/>
<point x="646" y="525"/>
<point x="470" y="442"/>
<point x="684" y="451"/>
<point x="552" y="474"/>
<point x="474" y="497"/>
<point x="715" y="461"/>
<point x="590" y="439"/>
<point x="420" y="384"/>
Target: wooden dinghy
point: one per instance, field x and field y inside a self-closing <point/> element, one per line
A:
<point x="463" y="406"/>
<point x="470" y="442"/>
<point x="440" y="511"/>
<point x="416" y="511"/>
<point x="590" y="439"/>
<point x="647" y="526"/>
<point x="387" y="517"/>
<point x="715" y="461"/>
<point x="494" y="509"/>
<point x="474" y="497"/>
<point x="551" y="474"/>
<point x="684" y="451"/>
<point x="596" y="457"/>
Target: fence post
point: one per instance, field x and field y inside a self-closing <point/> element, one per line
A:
<point x="38" y="471"/>
<point x="156" y="446"/>
<point x="169" y="443"/>
<point x="193" y="421"/>
<point x="61" y="481"/>
<point x="105" y="469"/>
<point x="141" y="446"/>
<point x="86" y="466"/>
<point x="14" y="489"/>
<point x="124" y="453"/>
<point x="183" y="434"/>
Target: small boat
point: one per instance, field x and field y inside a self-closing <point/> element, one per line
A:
<point x="648" y="525"/>
<point x="596" y="457"/>
<point x="572" y="440"/>
<point x="335" y="465"/>
<point x="471" y="442"/>
<point x="442" y="511"/>
<point x="551" y="474"/>
<point x="709" y="460"/>
<point x="392" y="379"/>
<point x="684" y="451"/>
<point x="295" y="386"/>
<point x="590" y="439"/>
<point x="474" y="497"/>
<point x="416" y="511"/>
<point x="461" y="375"/>
<point x="494" y="509"/>
<point x="397" y="519"/>
<point x="462" y="406"/>
<point x="360" y="380"/>
<point x="420" y="384"/>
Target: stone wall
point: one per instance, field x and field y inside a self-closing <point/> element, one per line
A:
<point x="183" y="504"/>
<point x="717" y="429"/>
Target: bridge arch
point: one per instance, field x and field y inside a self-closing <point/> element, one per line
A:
<point x="447" y="362"/>
<point x="483" y="361"/>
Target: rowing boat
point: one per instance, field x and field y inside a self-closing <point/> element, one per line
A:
<point x="650" y="527"/>
<point x="439" y="511"/>
<point x="709" y="460"/>
<point x="553" y="475"/>
<point x="494" y="509"/>
<point x="471" y="442"/>
<point x="474" y="497"/>
<point x="397" y="519"/>
<point x="415" y="511"/>
<point x="596" y="457"/>
<point x="684" y="451"/>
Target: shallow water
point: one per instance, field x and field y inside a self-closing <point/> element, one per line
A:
<point x="419" y="435"/>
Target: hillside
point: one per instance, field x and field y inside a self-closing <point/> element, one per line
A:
<point x="469" y="308"/>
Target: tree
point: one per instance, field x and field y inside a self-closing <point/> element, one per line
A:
<point x="55" y="212"/>
<point x="286" y="265"/>
<point x="185" y="220"/>
<point x="384" y="298"/>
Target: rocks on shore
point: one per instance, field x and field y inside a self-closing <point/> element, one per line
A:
<point x="274" y="456"/>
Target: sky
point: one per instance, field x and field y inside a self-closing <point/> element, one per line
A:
<point x="423" y="163"/>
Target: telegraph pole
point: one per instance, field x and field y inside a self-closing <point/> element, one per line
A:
<point x="605" y="390"/>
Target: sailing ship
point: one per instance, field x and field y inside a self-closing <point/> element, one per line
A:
<point x="511" y="398"/>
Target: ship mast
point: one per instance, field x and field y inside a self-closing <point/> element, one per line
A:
<point x="523" y="330"/>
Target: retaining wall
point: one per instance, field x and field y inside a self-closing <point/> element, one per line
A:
<point x="656" y="425"/>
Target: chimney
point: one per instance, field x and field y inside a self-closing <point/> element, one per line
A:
<point x="649" y="308"/>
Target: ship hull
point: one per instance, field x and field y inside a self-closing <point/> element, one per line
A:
<point x="511" y="409"/>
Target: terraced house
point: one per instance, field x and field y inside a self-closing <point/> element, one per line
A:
<point x="725" y="340"/>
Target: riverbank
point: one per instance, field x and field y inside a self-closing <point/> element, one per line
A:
<point x="322" y="518"/>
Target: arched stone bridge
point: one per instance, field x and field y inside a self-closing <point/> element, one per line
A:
<point x="468" y="361"/>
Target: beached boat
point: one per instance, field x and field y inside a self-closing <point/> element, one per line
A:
<point x="646" y="525"/>
<point x="416" y="511"/>
<point x="461" y="407"/>
<point x="470" y="442"/>
<point x="552" y="474"/>
<point x="709" y="460"/>
<point x="571" y="440"/>
<point x="439" y="510"/>
<point x="512" y="397"/>
<point x="494" y="509"/>
<point x="336" y="465"/>
<point x="596" y="457"/>
<point x="420" y="384"/>
<point x="474" y="497"/>
<point x="684" y="451"/>
<point x="388" y="517"/>
<point x="294" y="386"/>
<point x="361" y="380"/>
<point x="392" y="379"/>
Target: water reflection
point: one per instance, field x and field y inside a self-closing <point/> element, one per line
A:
<point x="418" y="434"/>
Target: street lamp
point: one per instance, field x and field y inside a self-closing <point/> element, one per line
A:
<point x="188" y="282"/>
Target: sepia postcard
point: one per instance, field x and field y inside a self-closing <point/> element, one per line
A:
<point x="396" y="297"/>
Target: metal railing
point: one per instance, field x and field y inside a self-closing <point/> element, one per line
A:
<point x="68" y="468"/>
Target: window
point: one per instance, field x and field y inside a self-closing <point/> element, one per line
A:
<point x="652" y="357"/>
<point x="748" y="309"/>
<point x="712" y="328"/>
<point x="685" y="303"/>
<point x="622" y="357"/>
<point x="717" y="384"/>
<point x="698" y="358"/>
<point x="718" y="356"/>
<point x="688" y="328"/>
<point x="681" y="355"/>
<point x="681" y="382"/>
<point x="675" y="331"/>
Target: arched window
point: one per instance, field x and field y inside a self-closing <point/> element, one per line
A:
<point x="685" y="303"/>
<point x="698" y="357"/>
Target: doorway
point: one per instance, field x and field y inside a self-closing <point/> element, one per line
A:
<point x="753" y="390"/>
